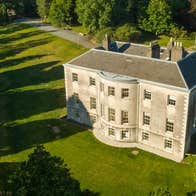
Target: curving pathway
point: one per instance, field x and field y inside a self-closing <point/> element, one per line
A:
<point x="65" y="34"/>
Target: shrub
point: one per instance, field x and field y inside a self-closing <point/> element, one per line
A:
<point x="101" y="34"/>
<point x="177" y="32"/>
<point x="127" y="32"/>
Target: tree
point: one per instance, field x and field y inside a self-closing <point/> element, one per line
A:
<point x="94" y="15"/>
<point x="44" y="175"/>
<point x="158" y="19"/>
<point x="30" y="8"/>
<point x="127" y="32"/>
<point x="61" y="12"/>
<point x="43" y="7"/>
<point x="3" y="13"/>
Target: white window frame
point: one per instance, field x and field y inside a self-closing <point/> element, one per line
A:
<point x="124" y="117"/>
<point x="125" y="134"/>
<point x="111" y="132"/>
<point x="145" y="136"/>
<point x="111" y="91"/>
<point x="169" y="125"/>
<point x="147" y="95"/>
<point x="74" y="77"/>
<point x="111" y="114"/>
<point x="92" y="81"/>
<point x="124" y="92"/>
<point x="93" y="104"/>
<point x="168" y="144"/>
<point x="171" y="100"/>
<point x="146" y="119"/>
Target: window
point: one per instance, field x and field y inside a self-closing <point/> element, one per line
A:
<point x="76" y="97"/>
<point x="77" y="114"/>
<point x="111" y="132"/>
<point x="74" y="77"/>
<point x="92" y="81"/>
<point x="169" y="125"/>
<point x="124" y="92"/>
<point x="147" y="94"/>
<point x="124" y="117"/>
<point x="102" y="110"/>
<point x="145" y="136"/>
<point x="93" y="119"/>
<point x="101" y="87"/>
<point x="111" y="114"/>
<point x="125" y="134"/>
<point x="111" y="91"/>
<point x="92" y="103"/>
<point x="171" y="100"/>
<point x="168" y="143"/>
<point x="146" y="118"/>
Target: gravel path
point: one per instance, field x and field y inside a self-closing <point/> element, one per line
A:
<point x="65" y="34"/>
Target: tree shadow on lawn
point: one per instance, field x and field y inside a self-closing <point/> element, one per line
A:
<point x="17" y="136"/>
<point x="16" y="49"/>
<point x="25" y="104"/>
<point x="11" y="28"/>
<point x="16" y="61"/>
<point x="8" y="39"/>
<point x="31" y="75"/>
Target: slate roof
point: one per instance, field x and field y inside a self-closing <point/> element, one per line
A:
<point x="136" y="49"/>
<point x="188" y="68"/>
<point x="149" y="69"/>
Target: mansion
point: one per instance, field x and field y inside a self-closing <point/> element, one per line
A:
<point x="135" y="95"/>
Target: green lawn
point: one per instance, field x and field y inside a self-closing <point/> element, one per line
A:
<point x="32" y="101"/>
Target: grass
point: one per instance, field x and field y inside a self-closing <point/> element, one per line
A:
<point x="79" y="29"/>
<point x="32" y="101"/>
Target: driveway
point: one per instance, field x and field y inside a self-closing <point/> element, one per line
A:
<point x="65" y="34"/>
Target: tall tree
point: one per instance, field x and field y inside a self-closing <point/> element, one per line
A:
<point x="30" y="8"/>
<point x="44" y="175"/>
<point x="93" y="14"/>
<point x="61" y="12"/>
<point x="158" y="19"/>
<point x="3" y="13"/>
<point x="43" y="7"/>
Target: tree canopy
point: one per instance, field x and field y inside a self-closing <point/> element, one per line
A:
<point x="43" y="174"/>
<point x="158" y="19"/>
<point x="155" y="16"/>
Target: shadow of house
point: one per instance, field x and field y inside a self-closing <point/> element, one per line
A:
<point x="18" y="137"/>
<point x="193" y="144"/>
<point x="77" y="112"/>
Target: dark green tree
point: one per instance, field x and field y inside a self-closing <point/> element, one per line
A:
<point x="44" y="175"/>
<point x="3" y="13"/>
<point x="95" y="15"/>
<point x="159" y="17"/>
<point x="30" y="8"/>
<point x="61" y="12"/>
<point x="43" y="7"/>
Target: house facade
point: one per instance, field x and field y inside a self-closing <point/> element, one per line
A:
<point x="134" y="100"/>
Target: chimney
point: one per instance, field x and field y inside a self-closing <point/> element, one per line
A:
<point x="106" y="42"/>
<point x="177" y="51"/>
<point x="154" y="50"/>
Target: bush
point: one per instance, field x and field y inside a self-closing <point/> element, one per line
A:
<point x="127" y="32"/>
<point x="177" y="32"/>
<point x="101" y="34"/>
